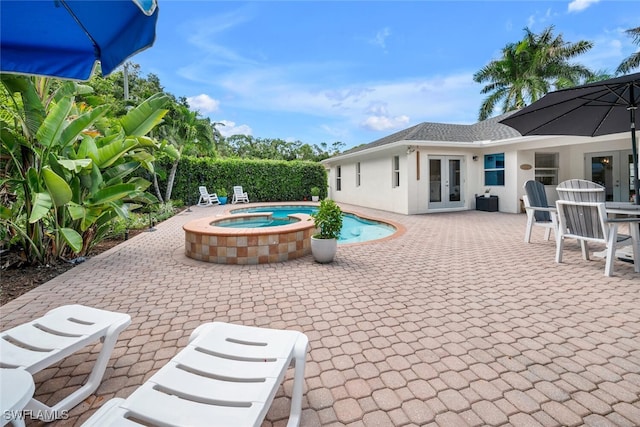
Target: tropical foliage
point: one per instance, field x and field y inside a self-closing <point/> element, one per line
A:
<point x="70" y="165"/>
<point x="328" y="220"/>
<point x="633" y="61"/>
<point x="529" y="69"/>
<point x="184" y="129"/>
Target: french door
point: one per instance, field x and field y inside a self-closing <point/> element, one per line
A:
<point x="614" y="171"/>
<point x="445" y="182"/>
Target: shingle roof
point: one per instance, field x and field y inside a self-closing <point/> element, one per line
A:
<point x="485" y="130"/>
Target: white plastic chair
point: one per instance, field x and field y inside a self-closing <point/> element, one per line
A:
<point x="38" y="344"/>
<point x="227" y="375"/>
<point x="239" y="195"/>
<point x="206" y="198"/>
<point x="588" y="222"/>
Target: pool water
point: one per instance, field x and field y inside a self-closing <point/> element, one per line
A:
<point x="255" y="222"/>
<point x="354" y="228"/>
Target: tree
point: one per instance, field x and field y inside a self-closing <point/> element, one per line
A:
<point x="529" y="69"/>
<point x="182" y="127"/>
<point x="632" y="61"/>
<point x="70" y="165"/>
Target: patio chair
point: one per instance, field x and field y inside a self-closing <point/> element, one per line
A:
<point x="206" y="198"/>
<point x="588" y="222"/>
<point x="539" y="213"/>
<point x="227" y="375"/>
<point x="38" y="344"/>
<point x="581" y="190"/>
<point x="239" y="195"/>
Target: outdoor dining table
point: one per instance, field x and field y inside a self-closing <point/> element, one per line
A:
<point x="628" y="209"/>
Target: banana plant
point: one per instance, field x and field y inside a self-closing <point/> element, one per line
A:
<point x="73" y="164"/>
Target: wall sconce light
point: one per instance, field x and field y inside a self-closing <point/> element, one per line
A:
<point x="475" y="158"/>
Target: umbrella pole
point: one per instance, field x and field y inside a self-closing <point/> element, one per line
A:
<point x="634" y="146"/>
<point x="636" y="181"/>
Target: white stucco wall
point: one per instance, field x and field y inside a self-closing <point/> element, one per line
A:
<point x="411" y="197"/>
<point x="375" y="190"/>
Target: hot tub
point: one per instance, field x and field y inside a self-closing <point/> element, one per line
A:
<point x="235" y="239"/>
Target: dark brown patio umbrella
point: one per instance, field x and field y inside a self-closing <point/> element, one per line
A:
<point x="595" y="109"/>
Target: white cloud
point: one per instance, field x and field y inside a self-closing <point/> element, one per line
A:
<point x="380" y="119"/>
<point x="373" y="104"/>
<point x="203" y="103"/>
<point x="580" y="5"/>
<point x="380" y="38"/>
<point x="380" y="123"/>
<point x="230" y="128"/>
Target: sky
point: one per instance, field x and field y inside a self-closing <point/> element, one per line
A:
<point x="356" y="71"/>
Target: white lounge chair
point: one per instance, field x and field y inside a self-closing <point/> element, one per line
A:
<point x="206" y="198"/>
<point x="239" y="195"/>
<point x="227" y="375"/>
<point x="63" y="331"/>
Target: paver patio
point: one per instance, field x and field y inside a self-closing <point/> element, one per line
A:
<point x="457" y="322"/>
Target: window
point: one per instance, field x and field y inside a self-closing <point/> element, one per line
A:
<point x="358" y="174"/>
<point x="396" y="171"/>
<point x="546" y="168"/>
<point x="338" y="178"/>
<point x="494" y="169"/>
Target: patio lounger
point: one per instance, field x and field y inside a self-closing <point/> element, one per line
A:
<point x="227" y="376"/>
<point x="47" y="340"/>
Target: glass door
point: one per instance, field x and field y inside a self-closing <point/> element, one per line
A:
<point x="445" y="182"/>
<point x="614" y="171"/>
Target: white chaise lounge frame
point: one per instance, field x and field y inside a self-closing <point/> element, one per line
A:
<point x="47" y="340"/>
<point x="227" y="375"/>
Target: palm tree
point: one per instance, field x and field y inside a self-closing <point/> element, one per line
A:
<point x="632" y="61"/>
<point x="183" y="126"/>
<point x="529" y="69"/>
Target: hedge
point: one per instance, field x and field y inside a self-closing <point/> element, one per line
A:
<point x="263" y="180"/>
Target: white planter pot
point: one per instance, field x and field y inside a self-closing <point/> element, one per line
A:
<point x="315" y="198"/>
<point x="323" y="250"/>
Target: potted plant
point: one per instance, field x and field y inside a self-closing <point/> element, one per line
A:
<point x="487" y="193"/>
<point x="328" y="222"/>
<point x="315" y="194"/>
<point x="222" y="196"/>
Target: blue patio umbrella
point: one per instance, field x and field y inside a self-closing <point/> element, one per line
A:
<point x="65" y="38"/>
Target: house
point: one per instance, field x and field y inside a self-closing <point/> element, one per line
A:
<point x="437" y="167"/>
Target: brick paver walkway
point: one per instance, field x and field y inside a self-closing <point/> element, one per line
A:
<point x="455" y="323"/>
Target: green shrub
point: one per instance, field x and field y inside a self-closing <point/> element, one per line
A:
<point x="263" y="180"/>
<point x="328" y="220"/>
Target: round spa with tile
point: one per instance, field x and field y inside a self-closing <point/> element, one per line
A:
<point x="248" y="238"/>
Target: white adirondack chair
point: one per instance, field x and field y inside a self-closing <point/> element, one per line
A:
<point x="206" y="198"/>
<point x="239" y="195"/>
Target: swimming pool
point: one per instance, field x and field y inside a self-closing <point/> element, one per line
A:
<point x="354" y="228"/>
